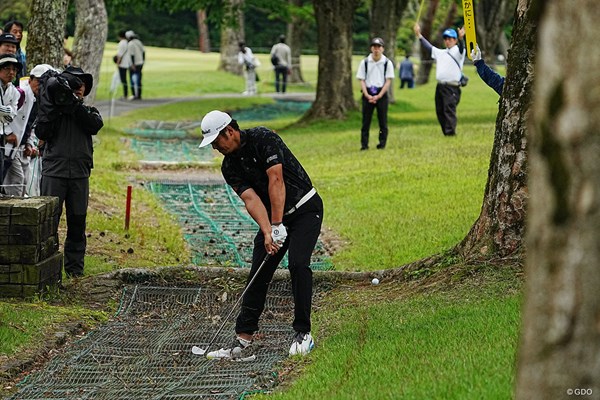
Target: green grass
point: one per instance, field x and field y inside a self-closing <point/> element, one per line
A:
<point x="418" y="197"/>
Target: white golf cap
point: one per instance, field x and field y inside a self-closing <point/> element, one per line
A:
<point x="40" y="70"/>
<point x="213" y="123"/>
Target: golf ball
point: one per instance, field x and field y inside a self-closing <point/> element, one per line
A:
<point x="375" y="281"/>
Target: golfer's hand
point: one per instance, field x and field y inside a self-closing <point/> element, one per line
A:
<point x="278" y="234"/>
<point x="476" y="54"/>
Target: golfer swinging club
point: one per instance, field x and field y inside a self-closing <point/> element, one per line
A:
<point x="279" y="195"/>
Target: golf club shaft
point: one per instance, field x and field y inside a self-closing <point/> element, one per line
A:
<point x="237" y="302"/>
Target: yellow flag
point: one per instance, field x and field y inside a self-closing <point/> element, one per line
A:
<point x="469" y="14"/>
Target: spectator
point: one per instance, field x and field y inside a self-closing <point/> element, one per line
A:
<point x="407" y="73"/>
<point x="488" y="75"/>
<point x="375" y="74"/>
<point x="67" y="126"/>
<point x="8" y="44"/>
<point x="9" y="99"/>
<point x="246" y="58"/>
<point x="448" y="75"/>
<point x="279" y="195"/>
<point x="20" y="181"/>
<point x="281" y="58"/>
<point x="15" y="28"/>
<point x="123" y="61"/>
<point x="137" y="57"/>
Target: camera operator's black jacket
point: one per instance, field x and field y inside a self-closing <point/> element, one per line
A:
<point x="66" y="125"/>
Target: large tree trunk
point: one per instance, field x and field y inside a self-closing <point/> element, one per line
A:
<point x="334" y="87"/>
<point x="295" y="39"/>
<point x="498" y="232"/>
<point x="490" y="18"/>
<point x="426" y="30"/>
<point x="203" y="39"/>
<point x="231" y="35"/>
<point x="91" y="27"/>
<point x="385" y="19"/>
<point x="560" y="342"/>
<point x="45" y="32"/>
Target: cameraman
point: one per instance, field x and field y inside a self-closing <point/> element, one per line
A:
<point x="67" y="125"/>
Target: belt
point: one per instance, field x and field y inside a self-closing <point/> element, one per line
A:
<point x="303" y="200"/>
<point x="449" y="83"/>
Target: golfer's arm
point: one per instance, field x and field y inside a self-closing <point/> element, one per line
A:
<point x="257" y="211"/>
<point x="276" y="192"/>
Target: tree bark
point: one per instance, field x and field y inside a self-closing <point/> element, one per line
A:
<point x="560" y="341"/>
<point x="498" y="232"/>
<point x="231" y="35"/>
<point x="490" y="18"/>
<point x="334" y="87"/>
<point x="386" y="17"/>
<point x="45" y="32"/>
<point x="426" y="30"/>
<point x="91" y="28"/>
<point x="295" y="39"/>
<point x="203" y="39"/>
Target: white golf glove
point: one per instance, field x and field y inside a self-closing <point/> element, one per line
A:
<point x="476" y="54"/>
<point x="278" y="234"/>
<point x="5" y="110"/>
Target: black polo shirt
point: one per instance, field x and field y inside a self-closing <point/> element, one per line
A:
<point x="260" y="149"/>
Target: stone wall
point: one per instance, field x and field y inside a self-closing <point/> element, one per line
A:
<point x="30" y="262"/>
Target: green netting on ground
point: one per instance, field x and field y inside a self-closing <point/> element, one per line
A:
<point x="267" y="112"/>
<point x="172" y="150"/>
<point x="217" y="226"/>
<point x="162" y="129"/>
<point x="145" y="351"/>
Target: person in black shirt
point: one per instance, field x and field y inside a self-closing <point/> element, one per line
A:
<point x="279" y="195"/>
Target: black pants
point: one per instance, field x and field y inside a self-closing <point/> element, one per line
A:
<point x="281" y="74"/>
<point x="367" y="115"/>
<point x="447" y="98"/>
<point x="303" y="228"/>
<point x="123" y="76"/>
<point x="73" y="193"/>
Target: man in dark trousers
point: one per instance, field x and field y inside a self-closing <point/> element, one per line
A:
<point x="448" y="75"/>
<point x="279" y="195"/>
<point x="67" y="126"/>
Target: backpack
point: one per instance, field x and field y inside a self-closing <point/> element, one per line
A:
<point x="274" y="60"/>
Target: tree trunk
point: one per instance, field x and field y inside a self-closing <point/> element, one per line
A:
<point x="295" y="39"/>
<point x="490" y="18"/>
<point x="498" y="232"/>
<point x="386" y="17"/>
<point x="203" y="38"/>
<point x="231" y="35"/>
<point x="560" y="341"/>
<point x="91" y="28"/>
<point x="334" y="87"/>
<point x="45" y="32"/>
<point x="426" y="29"/>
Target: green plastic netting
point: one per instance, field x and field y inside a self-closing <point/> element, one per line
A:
<point x="216" y="224"/>
<point x="172" y="150"/>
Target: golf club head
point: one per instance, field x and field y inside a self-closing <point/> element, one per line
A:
<point x="198" y="351"/>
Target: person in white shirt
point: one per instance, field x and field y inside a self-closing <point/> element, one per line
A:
<point x="137" y="56"/>
<point x="375" y="74"/>
<point x="448" y="75"/>
<point x="246" y="58"/>
<point x="9" y="99"/>
<point x="123" y="61"/>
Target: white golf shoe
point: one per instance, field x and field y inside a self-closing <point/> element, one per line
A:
<point x="239" y="351"/>
<point x="302" y="344"/>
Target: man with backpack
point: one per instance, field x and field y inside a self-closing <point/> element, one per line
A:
<point x="281" y="58"/>
<point x="375" y="74"/>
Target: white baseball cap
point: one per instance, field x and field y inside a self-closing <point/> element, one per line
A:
<point x="40" y="70"/>
<point x="213" y="123"/>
